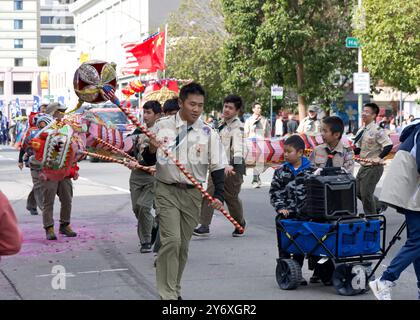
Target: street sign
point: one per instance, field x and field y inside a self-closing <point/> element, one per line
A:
<point x="361" y="83"/>
<point x="276" y="92"/>
<point x="352" y="42"/>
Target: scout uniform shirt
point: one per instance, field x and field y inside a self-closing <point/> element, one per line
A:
<point x="196" y="147"/>
<point x="310" y="127"/>
<point x="257" y="127"/>
<point x="231" y="133"/>
<point x="140" y="142"/>
<point x="343" y="156"/>
<point x="372" y="141"/>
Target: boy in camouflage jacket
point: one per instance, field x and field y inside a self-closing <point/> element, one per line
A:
<point x="287" y="192"/>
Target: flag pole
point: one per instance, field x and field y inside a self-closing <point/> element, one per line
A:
<point x="164" y="54"/>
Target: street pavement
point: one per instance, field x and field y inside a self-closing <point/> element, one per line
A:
<point x="104" y="262"/>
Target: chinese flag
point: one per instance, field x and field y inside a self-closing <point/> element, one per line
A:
<point x="150" y="54"/>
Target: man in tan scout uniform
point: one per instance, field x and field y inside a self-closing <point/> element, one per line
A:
<point x="371" y="143"/>
<point x="198" y="148"/>
<point x="142" y="184"/>
<point x="310" y="125"/>
<point x="63" y="189"/>
<point x="231" y="132"/>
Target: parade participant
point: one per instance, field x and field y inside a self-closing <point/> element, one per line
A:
<point x="332" y="153"/>
<point x="257" y="126"/>
<point x="142" y="184"/>
<point x="171" y="107"/>
<point x="178" y="201"/>
<point x="403" y="193"/>
<point x="35" y="197"/>
<point x="10" y="235"/>
<point x="287" y="192"/>
<point x="62" y="188"/>
<point x="374" y="144"/>
<point x="231" y="134"/>
<point x="310" y="125"/>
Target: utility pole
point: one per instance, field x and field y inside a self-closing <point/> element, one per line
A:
<point x="360" y="70"/>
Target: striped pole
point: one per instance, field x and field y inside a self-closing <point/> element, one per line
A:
<point x="109" y="93"/>
<point x="111" y="159"/>
<point x="121" y="152"/>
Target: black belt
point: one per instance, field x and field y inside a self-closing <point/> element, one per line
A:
<point x="184" y="186"/>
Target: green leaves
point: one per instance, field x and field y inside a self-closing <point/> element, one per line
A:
<point x="391" y="42"/>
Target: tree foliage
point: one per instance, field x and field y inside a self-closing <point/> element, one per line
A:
<point x="390" y="38"/>
<point x="196" y="33"/>
<point x="294" y="43"/>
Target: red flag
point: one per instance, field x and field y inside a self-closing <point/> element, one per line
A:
<point x="131" y="63"/>
<point x="150" y="54"/>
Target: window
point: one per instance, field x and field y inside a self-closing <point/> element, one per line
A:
<point x="18" y="24"/>
<point x="1" y="87"/>
<point x="18" y="62"/>
<point x="58" y="39"/>
<point x="22" y="87"/>
<point x="18" y="43"/>
<point x="18" y="4"/>
<point x="56" y="20"/>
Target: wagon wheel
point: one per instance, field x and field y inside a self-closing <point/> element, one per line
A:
<point x="288" y="274"/>
<point x="368" y="271"/>
<point x="349" y="280"/>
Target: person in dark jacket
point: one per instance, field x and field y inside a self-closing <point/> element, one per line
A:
<point x="287" y="192"/>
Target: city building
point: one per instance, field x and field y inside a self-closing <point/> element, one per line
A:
<point x="56" y="25"/>
<point x="102" y="26"/>
<point x="20" y="76"/>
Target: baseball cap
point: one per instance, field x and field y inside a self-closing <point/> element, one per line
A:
<point x="55" y="106"/>
<point x="312" y="108"/>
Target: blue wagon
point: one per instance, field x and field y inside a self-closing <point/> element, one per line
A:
<point x="345" y="248"/>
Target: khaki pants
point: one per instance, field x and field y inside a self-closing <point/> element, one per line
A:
<point x="232" y="188"/>
<point x="142" y="191"/>
<point x="178" y="211"/>
<point x="64" y="190"/>
<point x="366" y="181"/>
<point x="36" y="196"/>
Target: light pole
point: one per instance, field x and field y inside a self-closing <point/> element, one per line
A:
<point x="360" y="70"/>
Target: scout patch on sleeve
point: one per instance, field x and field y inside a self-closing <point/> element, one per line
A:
<point x="206" y="130"/>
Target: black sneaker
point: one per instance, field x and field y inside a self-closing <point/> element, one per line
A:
<point x="236" y="232"/>
<point x="382" y="208"/>
<point x="202" y="231"/>
<point x="303" y="282"/>
<point x="146" y="248"/>
<point x="33" y="212"/>
<point x="180" y="298"/>
<point x="49" y="232"/>
<point x="67" y="230"/>
<point x="314" y="279"/>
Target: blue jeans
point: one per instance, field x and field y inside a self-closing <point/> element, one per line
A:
<point x="409" y="253"/>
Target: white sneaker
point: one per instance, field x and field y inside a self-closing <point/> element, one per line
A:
<point x="255" y="185"/>
<point x="381" y="289"/>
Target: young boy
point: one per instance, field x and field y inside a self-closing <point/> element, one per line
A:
<point x="287" y="192"/>
<point x="332" y="153"/>
<point x="142" y="184"/>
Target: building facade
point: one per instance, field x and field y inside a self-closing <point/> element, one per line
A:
<point x="102" y="26"/>
<point x="56" y="25"/>
<point x="20" y="76"/>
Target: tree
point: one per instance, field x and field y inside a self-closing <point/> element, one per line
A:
<point x="390" y="39"/>
<point x="297" y="44"/>
<point x="196" y="37"/>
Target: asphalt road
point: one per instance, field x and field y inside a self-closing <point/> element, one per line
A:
<point x="104" y="262"/>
